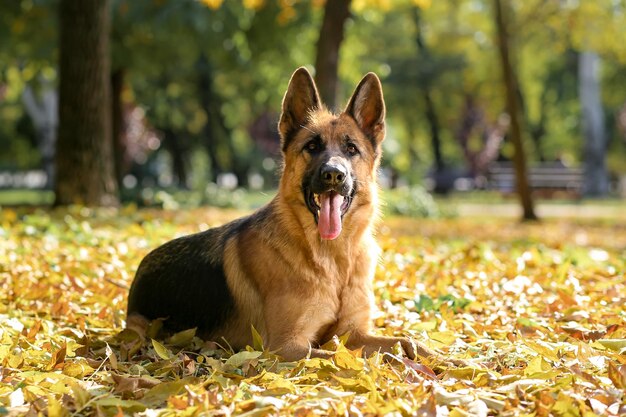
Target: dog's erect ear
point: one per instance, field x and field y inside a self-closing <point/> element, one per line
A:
<point x="300" y="99"/>
<point x="367" y="108"/>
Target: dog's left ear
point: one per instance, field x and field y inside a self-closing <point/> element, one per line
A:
<point x="367" y="108"/>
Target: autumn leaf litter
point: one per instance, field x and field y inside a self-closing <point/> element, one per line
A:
<point x="539" y="310"/>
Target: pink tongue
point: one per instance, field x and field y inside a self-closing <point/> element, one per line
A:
<point x="329" y="222"/>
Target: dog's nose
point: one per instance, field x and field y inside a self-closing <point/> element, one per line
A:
<point x="333" y="175"/>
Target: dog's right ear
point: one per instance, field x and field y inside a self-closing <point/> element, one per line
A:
<point x="300" y="99"/>
<point x="367" y="107"/>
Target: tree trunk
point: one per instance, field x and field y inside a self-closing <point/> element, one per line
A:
<point x="414" y="153"/>
<point x="84" y="157"/>
<point x="172" y="142"/>
<point x="471" y="118"/>
<point x="216" y="130"/>
<point x="512" y="105"/>
<point x="237" y="162"/>
<point x="431" y="112"/>
<point x="120" y="158"/>
<point x="596" y="179"/>
<point x="435" y="137"/>
<point x="336" y="12"/>
<point x="538" y="130"/>
<point x="211" y="133"/>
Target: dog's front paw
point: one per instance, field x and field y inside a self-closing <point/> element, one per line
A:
<point x="416" y="350"/>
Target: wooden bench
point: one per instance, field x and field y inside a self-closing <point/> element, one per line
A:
<point x="547" y="179"/>
<point x="31" y="179"/>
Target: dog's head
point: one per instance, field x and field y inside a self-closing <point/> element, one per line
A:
<point x="330" y="160"/>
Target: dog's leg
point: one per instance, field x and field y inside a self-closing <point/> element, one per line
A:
<point x="290" y="331"/>
<point x="411" y="348"/>
<point x="383" y="344"/>
<point x="371" y="344"/>
<point x="294" y="352"/>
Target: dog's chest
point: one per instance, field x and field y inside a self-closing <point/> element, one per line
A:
<point x="333" y="282"/>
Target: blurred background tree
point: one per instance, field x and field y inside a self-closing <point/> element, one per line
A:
<point x="196" y="86"/>
<point x="502" y="17"/>
<point x="84" y="149"/>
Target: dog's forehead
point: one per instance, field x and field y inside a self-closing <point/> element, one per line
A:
<point x="333" y="127"/>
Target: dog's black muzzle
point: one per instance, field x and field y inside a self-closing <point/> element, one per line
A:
<point x="330" y="176"/>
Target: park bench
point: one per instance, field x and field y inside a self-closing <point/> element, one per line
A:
<point x="547" y="179"/>
<point x="31" y="179"/>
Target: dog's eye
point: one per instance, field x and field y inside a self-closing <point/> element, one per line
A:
<point x="313" y="145"/>
<point x="351" y="149"/>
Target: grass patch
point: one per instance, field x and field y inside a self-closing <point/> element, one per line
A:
<point x="17" y="197"/>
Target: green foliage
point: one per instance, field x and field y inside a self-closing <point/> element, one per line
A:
<point x="253" y="46"/>
<point x="425" y="303"/>
<point x="414" y="201"/>
<point x="27" y="52"/>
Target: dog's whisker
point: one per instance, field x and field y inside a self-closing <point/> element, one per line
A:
<point x="307" y="128"/>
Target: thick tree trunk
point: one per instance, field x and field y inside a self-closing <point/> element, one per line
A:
<point x="512" y="105"/>
<point x="120" y="158"/>
<point x="84" y="157"/>
<point x="596" y="179"/>
<point x="336" y="12"/>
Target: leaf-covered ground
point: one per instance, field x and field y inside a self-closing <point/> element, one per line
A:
<point x="538" y="308"/>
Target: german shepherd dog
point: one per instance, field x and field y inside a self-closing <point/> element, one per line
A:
<point x="299" y="269"/>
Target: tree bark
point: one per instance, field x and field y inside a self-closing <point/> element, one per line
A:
<point x="84" y="157"/>
<point x="336" y="12"/>
<point x="596" y="180"/>
<point x="512" y="105"/>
